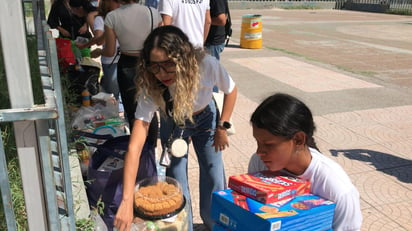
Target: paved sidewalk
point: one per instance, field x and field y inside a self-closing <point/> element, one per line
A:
<point x="354" y="70"/>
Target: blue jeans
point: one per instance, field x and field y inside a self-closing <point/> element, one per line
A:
<point x="212" y="175"/>
<point x="152" y="3"/>
<point x="215" y="50"/>
<point x="109" y="80"/>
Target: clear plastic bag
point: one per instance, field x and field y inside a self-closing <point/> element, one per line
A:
<point x="104" y="112"/>
<point x="99" y="223"/>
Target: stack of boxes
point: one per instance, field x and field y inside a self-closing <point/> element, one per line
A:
<point x="268" y="201"/>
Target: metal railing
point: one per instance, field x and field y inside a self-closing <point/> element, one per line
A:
<point x="382" y="6"/>
<point x="391" y="5"/>
<point x="39" y="130"/>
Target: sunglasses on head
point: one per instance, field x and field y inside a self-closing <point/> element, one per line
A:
<point x="168" y="66"/>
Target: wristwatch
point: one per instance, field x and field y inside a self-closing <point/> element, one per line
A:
<point x="224" y="125"/>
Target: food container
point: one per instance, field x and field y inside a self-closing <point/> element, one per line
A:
<point x="268" y="187"/>
<point x="236" y="212"/>
<point x="160" y="205"/>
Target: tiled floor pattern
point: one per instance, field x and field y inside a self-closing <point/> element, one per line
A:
<point x="296" y="73"/>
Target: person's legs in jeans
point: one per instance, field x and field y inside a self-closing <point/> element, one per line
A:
<point x="178" y="166"/>
<point x="178" y="171"/>
<point x="109" y="80"/>
<point x="212" y="175"/>
<point x="215" y="50"/>
<point x="152" y="3"/>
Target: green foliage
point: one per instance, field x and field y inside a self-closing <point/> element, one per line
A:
<point x="88" y="224"/>
<point x="399" y="11"/>
<point x="4" y="93"/>
<point x="28" y="9"/>
<point x="68" y="92"/>
<point x="9" y="142"/>
<point x="17" y="197"/>
<point x="85" y="224"/>
<point x="34" y="70"/>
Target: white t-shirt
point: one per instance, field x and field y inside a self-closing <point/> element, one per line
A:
<point x="132" y="24"/>
<point x="189" y="16"/>
<point x="211" y="74"/>
<point x="328" y="180"/>
<point x="99" y="25"/>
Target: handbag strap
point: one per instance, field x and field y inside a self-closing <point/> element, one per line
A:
<point x="228" y="17"/>
<point x="151" y="19"/>
<point x="115" y="57"/>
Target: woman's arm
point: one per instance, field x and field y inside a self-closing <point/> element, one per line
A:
<point x="97" y="39"/>
<point x="110" y="42"/>
<point x="63" y="31"/>
<point x="83" y="29"/>
<point x="167" y="19"/>
<point x="124" y="215"/>
<point x="208" y="22"/>
<point x="220" y="139"/>
<point x="90" y="20"/>
<point x="229" y="101"/>
<point x="54" y="20"/>
<point x="219" y="20"/>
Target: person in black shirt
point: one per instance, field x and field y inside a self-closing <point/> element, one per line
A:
<point x="84" y="9"/>
<point x="69" y="26"/>
<point x="215" y="42"/>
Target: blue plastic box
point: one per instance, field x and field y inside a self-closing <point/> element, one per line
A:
<point x="219" y="227"/>
<point x="237" y="212"/>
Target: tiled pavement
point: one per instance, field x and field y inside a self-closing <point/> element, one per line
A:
<point x="354" y="70"/>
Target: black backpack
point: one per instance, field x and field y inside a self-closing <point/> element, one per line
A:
<point x="228" y="25"/>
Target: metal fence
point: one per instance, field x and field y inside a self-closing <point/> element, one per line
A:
<point x="394" y="6"/>
<point x="39" y="130"/>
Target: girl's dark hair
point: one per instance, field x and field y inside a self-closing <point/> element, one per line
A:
<point x="86" y="4"/>
<point x="284" y="115"/>
<point x="127" y="1"/>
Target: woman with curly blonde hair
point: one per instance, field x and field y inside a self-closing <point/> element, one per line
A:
<point x="179" y="80"/>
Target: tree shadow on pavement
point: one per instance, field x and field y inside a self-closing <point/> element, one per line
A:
<point x="387" y="163"/>
<point x="233" y="45"/>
